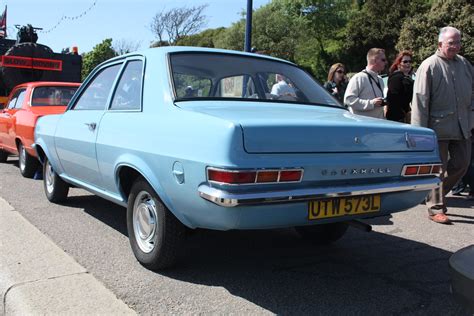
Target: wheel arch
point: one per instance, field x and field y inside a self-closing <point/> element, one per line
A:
<point x="127" y="174"/>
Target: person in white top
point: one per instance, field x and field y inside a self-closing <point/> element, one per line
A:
<point x="282" y="88"/>
<point x="364" y="93"/>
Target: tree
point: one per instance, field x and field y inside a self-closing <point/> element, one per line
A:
<point x="206" y="38"/>
<point x="420" y="33"/>
<point x="100" y="53"/>
<point x="377" y="24"/>
<point x="172" y="25"/>
<point x="124" y="46"/>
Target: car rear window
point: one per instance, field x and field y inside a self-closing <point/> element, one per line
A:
<point x="199" y="75"/>
<point x="52" y="96"/>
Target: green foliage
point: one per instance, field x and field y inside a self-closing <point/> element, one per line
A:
<point x="100" y="53"/>
<point x="420" y="33"/>
<point x="377" y="24"/>
<point x="203" y="39"/>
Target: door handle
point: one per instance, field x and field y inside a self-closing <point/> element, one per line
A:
<point x="91" y="126"/>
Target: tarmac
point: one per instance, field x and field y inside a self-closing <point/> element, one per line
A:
<point x="51" y="284"/>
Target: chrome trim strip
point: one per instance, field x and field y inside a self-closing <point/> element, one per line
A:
<point x="230" y="199"/>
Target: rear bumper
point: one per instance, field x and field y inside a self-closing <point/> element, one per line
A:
<point x="231" y="199"/>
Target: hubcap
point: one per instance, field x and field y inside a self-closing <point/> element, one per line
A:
<point x="49" y="177"/>
<point x="145" y="221"/>
<point x="22" y="153"/>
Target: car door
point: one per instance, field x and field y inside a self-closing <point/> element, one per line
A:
<point x="76" y="133"/>
<point x="8" y="119"/>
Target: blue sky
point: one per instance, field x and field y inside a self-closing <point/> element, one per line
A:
<point x="119" y="19"/>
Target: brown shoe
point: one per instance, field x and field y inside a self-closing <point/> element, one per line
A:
<point x="440" y="218"/>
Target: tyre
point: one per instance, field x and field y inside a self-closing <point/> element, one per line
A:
<point x="55" y="188"/>
<point x="323" y="234"/>
<point x="155" y="234"/>
<point x="27" y="163"/>
<point x="3" y="156"/>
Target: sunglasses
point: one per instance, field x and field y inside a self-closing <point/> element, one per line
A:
<point x="406" y="61"/>
<point x="340" y="71"/>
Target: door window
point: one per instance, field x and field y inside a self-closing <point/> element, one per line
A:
<point x="14" y="98"/>
<point x="20" y="99"/>
<point x="95" y="95"/>
<point x="127" y="96"/>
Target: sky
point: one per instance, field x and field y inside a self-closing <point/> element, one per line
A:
<point x="89" y="22"/>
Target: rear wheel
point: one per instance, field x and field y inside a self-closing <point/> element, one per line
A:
<point x="323" y="234"/>
<point x="3" y="156"/>
<point x="28" y="164"/>
<point x="155" y="233"/>
<point x="55" y="188"/>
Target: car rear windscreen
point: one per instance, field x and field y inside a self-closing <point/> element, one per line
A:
<point x="52" y="96"/>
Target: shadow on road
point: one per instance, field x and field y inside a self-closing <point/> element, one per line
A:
<point x="364" y="273"/>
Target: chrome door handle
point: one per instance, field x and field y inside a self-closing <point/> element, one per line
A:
<point x="91" y="126"/>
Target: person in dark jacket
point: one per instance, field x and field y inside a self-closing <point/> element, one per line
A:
<point x="400" y="88"/>
<point x="337" y="81"/>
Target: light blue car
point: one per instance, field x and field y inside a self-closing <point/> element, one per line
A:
<point x="205" y="138"/>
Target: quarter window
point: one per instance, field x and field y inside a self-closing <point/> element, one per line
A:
<point x="95" y="95"/>
<point x="127" y="96"/>
<point x="18" y="94"/>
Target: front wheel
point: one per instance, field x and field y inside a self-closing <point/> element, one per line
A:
<point x="155" y="233"/>
<point x="324" y="233"/>
<point x="55" y="188"/>
<point x="28" y="164"/>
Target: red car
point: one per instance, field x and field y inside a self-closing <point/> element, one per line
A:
<point x="26" y="103"/>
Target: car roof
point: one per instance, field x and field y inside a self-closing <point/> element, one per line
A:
<point x="47" y="84"/>
<point x="189" y="49"/>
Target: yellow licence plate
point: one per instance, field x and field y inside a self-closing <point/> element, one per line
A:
<point x="353" y="205"/>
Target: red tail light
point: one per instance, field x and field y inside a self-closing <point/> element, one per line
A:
<point x="290" y="176"/>
<point x="232" y="177"/>
<point x="421" y="170"/>
<point x="254" y="176"/>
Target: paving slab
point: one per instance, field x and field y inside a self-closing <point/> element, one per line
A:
<point x="38" y="278"/>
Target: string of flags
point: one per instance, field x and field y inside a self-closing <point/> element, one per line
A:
<point x="70" y="18"/>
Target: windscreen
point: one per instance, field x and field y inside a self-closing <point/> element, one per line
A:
<point x="52" y="96"/>
<point x="223" y="76"/>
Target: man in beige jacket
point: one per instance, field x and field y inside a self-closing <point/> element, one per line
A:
<point x="443" y="101"/>
<point x="364" y="92"/>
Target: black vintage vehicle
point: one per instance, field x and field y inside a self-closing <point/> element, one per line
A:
<point x="24" y="60"/>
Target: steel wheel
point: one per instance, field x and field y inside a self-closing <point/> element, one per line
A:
<point x="49" y="177"/>
<point x="155" y="234"/>
<point x="145" y="221"/>
<point x="55" y="188"/>
<point x="22" y="160"/>
<point x="27" y="163"/>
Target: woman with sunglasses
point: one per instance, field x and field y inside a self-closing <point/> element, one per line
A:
<point x="337" y="81"/>
<point x="400" y="87"/>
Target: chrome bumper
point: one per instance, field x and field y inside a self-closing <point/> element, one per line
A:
<point x="230" y="199"/>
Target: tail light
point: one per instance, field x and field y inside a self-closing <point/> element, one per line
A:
<point x="256" y="176"/>
<point x="421" y="170"/>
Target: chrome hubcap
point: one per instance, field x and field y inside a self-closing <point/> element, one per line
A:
<point x="22" y="153"/>
<point x="145" y="221"/>
<point x="49" y="177"/>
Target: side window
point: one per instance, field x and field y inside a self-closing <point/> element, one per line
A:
<point x="237" y="87"/>
<point x="127" y="96"/>
<point x="95" y="95"/>
<point x="21" y="98"/>
<point x="12" y="102"/>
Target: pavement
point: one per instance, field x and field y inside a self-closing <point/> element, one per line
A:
<point x="51" y="283"/>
